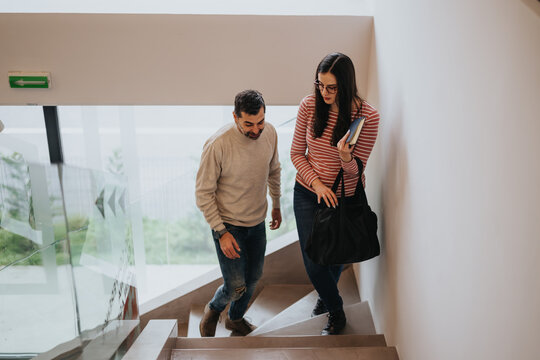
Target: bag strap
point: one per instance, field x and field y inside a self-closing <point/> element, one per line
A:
<point x="359" y="186"/>
<point x="338" y="179"/>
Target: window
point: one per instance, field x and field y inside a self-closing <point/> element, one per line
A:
<point x="24" y="133"/>
<point x="157" y="149"/>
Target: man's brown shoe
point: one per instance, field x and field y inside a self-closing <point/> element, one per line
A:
<point x="240" y="327"/>
<point x="207" y="326"/>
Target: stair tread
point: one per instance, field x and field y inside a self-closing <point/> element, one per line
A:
<point x="298" y="311"/>
<point x="342" y="353"/>
<point x="281" y="341"/>
<point x="270" y="301"/>
<point x="273" y="299"/>
<point x="301" y="310"/>
<point x="362" y="324"/>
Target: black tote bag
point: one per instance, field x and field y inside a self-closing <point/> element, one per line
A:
<point x="346" y="234"/>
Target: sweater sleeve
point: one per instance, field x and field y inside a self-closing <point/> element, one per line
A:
<point x="206" y="185"/>
<point x="299" y="146"/>
<point x="274" y="176"/>
<point x="365" y="143"/>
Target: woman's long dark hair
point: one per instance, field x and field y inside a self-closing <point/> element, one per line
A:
<point x="341" y="66"/>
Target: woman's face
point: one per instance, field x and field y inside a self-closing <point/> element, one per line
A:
<point x="328" y="87"/>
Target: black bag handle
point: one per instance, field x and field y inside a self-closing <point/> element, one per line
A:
<point x="359" y="191"/>
<point x="338" y="179"/>
<point x="359" y="186"/>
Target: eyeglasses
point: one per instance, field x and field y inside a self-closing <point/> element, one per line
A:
<point x="331" y="89"/>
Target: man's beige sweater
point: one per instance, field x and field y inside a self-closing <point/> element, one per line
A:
<point x="234" y="176"/>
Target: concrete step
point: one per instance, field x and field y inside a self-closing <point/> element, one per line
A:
<point x="301" y="310"/>
<point x="359" y="322"/>
<point x="298" y="311"/>
<point x="273" y="299"/>
<point x="247" y="342"/>
<point x="348" y="287"/>
<point x="155" y="342"/>
<point x="342" y="353"/>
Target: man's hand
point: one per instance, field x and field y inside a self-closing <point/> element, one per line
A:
<point x="229" y="246"/>
<point x="276" y="219"/>
<point x="325" y="193"/>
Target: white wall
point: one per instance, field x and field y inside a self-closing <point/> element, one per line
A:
<point x="115" y="59"/>
<point x="458" y="87"/>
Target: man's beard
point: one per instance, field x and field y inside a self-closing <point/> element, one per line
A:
<point x="252" y="135"/>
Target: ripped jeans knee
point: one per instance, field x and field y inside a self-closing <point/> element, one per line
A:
<point x="238" y="292"/>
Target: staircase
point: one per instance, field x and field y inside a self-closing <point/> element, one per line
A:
<point x="285" y="330"/>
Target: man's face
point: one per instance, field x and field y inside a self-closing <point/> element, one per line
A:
<point x="250" y="125"/>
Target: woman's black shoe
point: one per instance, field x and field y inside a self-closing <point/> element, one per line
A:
<point x="319" y="309"/>
<point x="336" y="323"/>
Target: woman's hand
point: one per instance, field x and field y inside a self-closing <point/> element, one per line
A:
<point x="345" y="150"/>
<point x="325" y="193"/>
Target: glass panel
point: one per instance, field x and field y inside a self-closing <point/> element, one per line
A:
<point x="37" y="312"/>
<point x="24" y="132"/>
<point x="158" y="148"/>
<point x="101" y="247"/>
<point x="36" y="293"/>
<point x="44" y="300"/>
<point x="31" y="214"/>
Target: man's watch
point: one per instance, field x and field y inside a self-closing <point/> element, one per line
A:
<point x="222" y="232"/>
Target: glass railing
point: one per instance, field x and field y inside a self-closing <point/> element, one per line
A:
<point x="158" y="149"/>
<point x="66" y="256"/>
<point x="178" y="246"/>
<point x="70" y="238"/>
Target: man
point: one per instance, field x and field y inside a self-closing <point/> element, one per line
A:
<point x="239" y="164"/>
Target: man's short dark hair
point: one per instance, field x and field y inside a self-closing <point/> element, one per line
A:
<point x="248" y="101"/>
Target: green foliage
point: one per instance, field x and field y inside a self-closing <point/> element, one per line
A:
<point x="14" y="247"/>
<point x="15" y="196"/>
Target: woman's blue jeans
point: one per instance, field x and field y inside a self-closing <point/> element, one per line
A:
<point x="240" y="275"/>
<point x="324" y="278"/>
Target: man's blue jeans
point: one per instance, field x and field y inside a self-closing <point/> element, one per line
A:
<point x="324" y="278"/>
<point x="240" y="275"/>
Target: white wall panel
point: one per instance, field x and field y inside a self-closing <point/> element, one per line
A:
<point x="457" y="84"/>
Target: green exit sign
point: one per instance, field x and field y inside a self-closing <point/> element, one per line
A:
<point x="22" y="80"/>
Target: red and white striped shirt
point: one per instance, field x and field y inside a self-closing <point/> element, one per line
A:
<point x="315" y="158"/>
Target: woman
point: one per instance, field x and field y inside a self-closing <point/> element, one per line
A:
<point x="322" y="128"/>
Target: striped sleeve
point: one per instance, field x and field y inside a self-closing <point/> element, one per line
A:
<point x="299" y="145"/>
<point x="350" y="167"/>
<point x="366" y="141"/>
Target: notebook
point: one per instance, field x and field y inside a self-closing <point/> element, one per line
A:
<point x="355" y="128"/>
